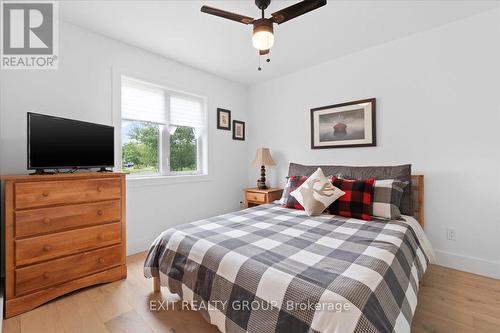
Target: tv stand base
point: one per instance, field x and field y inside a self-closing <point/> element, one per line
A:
<point x="41" y="172"/>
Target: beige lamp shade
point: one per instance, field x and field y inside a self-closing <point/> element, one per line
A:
<point x="263" y="157"/>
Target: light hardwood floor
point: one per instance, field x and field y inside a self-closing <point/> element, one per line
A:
<point x="448" y="301"/>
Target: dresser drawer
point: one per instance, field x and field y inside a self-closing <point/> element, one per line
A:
<point x="39" y="194"/>
<point x="45" y="220"/>
<point x="36" y="249"/>
<point x="57" y="271"/>
<point x="256" y="197"/>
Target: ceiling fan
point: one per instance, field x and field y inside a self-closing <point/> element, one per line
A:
<point x="263" y="37"/>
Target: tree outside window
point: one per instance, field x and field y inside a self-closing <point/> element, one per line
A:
<point x="183" y="150"/>
<point x="140" y="147"/>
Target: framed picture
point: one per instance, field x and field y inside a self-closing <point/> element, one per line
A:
<point x="238" y="130"/>
<point x="223" y="119"/>
<point x="343" y="125"/>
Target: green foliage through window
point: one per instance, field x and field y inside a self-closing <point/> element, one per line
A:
<point x="140" y="147"/>
<point x="183" y="150"/>
<point x="140" y="150"/>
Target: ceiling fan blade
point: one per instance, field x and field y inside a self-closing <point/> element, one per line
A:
<point x="227" y="15"/>
<point x="298" y="9"/>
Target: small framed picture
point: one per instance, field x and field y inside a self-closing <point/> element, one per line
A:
<point x="344" y="125"/>
<point x="223" y="119"/>
<point x="238" y="130"/>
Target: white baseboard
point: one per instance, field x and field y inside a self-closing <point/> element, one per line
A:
<point x="474" y="265"/>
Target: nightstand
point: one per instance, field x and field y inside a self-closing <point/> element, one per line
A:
<point x="255" y="197"/>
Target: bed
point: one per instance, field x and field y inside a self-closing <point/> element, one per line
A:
<point x="274" y="269"/>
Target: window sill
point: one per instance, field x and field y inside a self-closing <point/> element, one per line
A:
<point x="142" y="181"/>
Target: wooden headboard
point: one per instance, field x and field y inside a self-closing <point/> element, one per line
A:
<point x="417" y="195"/>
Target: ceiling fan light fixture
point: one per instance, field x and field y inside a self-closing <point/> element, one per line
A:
<point x="263" y="37"/>
<point x="263" y="34"/>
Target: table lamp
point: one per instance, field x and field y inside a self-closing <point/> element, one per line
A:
<point x="263" y="158"/>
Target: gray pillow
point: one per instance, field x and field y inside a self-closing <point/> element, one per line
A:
<point x="387" y="196"/>
<point x="399" y="172"/>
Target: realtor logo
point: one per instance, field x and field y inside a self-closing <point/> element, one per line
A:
<point x="29" y="35"/>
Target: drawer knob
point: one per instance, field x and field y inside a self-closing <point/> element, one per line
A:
<point x="46" y="220"/>
<point x="99" y="212"/>
<point x="45" y="275"/>
<point x="101" y="260"/>
<point x="100" y="237"/>
<point x="99" y="188"/>
<point x="45" y="193"/>
<point x="47" y="247"/>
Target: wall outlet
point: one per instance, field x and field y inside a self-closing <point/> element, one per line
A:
<point x="451" y="234"/>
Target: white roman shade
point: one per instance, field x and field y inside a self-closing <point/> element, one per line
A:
<point x="185" y="111"/>
<point x="143" y="102"/>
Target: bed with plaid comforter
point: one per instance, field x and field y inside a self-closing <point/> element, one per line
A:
<point x="272" y="269"/>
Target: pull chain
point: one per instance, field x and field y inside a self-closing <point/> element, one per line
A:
<point x="260" y="56"/>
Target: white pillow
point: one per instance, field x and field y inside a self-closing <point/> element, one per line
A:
<point x="316" y="193"/>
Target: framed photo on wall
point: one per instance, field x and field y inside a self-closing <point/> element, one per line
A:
<point x="238" y="130"/>
<point x="223" y="119"/>
<point x="344" y="125"/>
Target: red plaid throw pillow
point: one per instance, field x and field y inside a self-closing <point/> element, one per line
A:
<point x="357" y="200"/>
<point x="295" y="182"/>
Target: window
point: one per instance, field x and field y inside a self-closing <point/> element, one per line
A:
<point x="162" y="130"/>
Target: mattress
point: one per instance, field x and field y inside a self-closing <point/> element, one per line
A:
<point x="274" y="269"/>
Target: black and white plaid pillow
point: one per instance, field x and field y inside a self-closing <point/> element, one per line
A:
<point x="286" y="192"/>
<point x="387" y="196"/>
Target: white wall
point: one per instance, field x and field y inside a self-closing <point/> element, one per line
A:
<point x="82" y="88"/>
<point x="438" y="107"/>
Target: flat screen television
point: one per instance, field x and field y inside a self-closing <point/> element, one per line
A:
<point x="60" y="143"/>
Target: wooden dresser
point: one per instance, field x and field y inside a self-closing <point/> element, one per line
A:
<point x="62" y="232"/>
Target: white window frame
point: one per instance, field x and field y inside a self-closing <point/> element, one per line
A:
<point x="201" y="174"/>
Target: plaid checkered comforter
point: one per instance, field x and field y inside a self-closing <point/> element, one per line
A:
<point x="273" y="269"/>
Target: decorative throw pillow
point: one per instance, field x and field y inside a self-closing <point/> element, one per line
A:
<point x="387" y="196"/>
<point x="294" y="183"/>
<point x="286" y="192"/>
<point x="357" y="200"/>
<point x="316" y="193"/>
